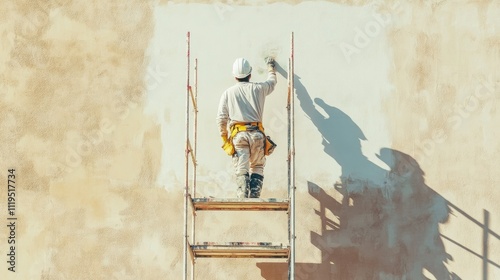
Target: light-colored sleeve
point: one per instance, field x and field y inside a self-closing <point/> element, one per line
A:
<point x="269" y="84"/>
<point x="222" y="115"/>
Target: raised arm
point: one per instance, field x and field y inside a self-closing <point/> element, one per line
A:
<point x="270" y="83"/>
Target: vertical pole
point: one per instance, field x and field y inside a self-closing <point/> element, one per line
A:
<point x="186" y="186"/>
<point x="288" y="159"/>
<point x="195" y="129"/>
<point x="195" y="135"/>
<point x="292" y="163"/>
<point x="486" y="225"/>
<point x="289" y="165"/>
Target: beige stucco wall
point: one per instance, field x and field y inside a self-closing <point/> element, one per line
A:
<point x="396" y="100"/>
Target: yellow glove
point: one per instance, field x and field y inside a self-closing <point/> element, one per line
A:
<point x="227" y="145"/>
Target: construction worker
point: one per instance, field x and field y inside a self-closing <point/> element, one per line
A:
<point x="240" y="109"/>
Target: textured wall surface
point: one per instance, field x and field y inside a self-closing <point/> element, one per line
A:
<point x="395" y="100"/>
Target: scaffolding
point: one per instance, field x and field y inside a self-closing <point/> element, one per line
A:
<point x="193" y="250"/>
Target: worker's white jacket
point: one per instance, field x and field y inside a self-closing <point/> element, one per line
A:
<point x="244" y="102"/>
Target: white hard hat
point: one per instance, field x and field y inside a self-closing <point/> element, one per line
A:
<point x="241" y="68"/>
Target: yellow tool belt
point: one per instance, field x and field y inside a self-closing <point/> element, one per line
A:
<point x="228" y="146"/>
<point x="237" y="127"/>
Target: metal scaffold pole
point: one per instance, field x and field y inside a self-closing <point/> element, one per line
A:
<point x="194" y="152"/>
<point x="186" y="186"/>
<point x="195" y="128"/>
<point x="291" y="160"/>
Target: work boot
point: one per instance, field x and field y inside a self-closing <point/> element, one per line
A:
<point x="243" y="183"/>
<point x="256" y="182"/>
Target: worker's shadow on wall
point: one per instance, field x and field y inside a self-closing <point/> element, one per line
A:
<point x="388" y="218"/>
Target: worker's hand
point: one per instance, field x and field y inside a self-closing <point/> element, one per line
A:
<point x="270" y="61"/>
<point x="270" y="64"/>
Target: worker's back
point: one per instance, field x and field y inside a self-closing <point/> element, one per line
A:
<point x="245" y="100"/>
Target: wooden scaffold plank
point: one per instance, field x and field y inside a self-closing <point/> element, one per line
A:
<point x="240" y="250"/>
<point x="248" y="204"/>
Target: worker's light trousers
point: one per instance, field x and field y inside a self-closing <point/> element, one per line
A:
<point x="249" y="156"/>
